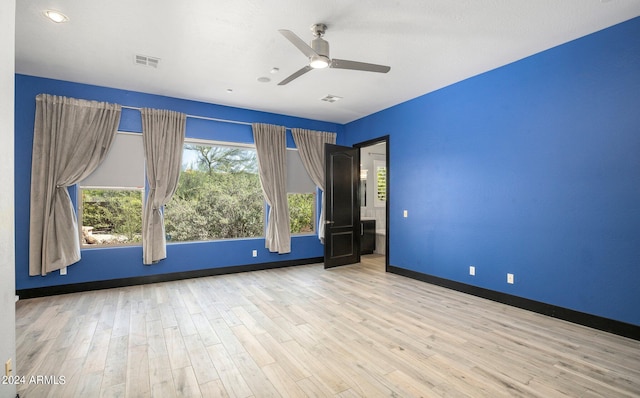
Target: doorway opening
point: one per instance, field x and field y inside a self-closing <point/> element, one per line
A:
<point x="373" y="196"/>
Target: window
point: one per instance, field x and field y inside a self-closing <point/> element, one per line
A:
<point x="301" y="196"/>
<point x="110" y="199"/>
<point x="111" y="216"/>
<point x="380" y="198"/>
<point x="219" y="195"/>
<point x="302" y="212"/>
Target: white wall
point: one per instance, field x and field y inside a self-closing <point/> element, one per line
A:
<point x="7" y="252"/>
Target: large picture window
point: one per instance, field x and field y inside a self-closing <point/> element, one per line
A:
<point x="218" y="197"/>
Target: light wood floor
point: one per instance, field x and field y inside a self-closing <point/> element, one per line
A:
<point x="353" y="331"/>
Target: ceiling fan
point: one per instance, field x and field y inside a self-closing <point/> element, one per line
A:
<point x="318" y="54"/>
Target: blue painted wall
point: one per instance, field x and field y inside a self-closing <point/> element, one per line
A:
<point x="532" y="169"/>
<point x="123" y="262"/>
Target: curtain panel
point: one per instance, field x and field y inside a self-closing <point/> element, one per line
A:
<point x="70" y="139"/>
<point x="271" y="148"/>
<point x="163" y="139"/>
<point x="310" y="146"/>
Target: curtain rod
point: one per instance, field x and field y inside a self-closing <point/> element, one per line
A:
<point x="204" y="117"/>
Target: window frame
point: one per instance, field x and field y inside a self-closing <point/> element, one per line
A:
<point x="80" y="210"/>
<point x="313" y="190"/>
<point x="314" y="215"/>
<point x="143" y="191"/>
<point x="80" y="187"/>
<point x="225" y="144"/>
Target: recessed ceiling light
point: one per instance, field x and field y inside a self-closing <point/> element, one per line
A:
<point x="56" y="16"/>
<point x="274" y="70"/>
<point x="229" y="90"/>
<point x="264" y="79"/>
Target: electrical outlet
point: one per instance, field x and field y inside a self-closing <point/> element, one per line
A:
<point x="63" y="271"/>
<point x="7" y="368"/>
<point x="510" y="279"/>
<point x="254" y="253"/>
<point x="472" y="270"/>
<point x="405" y="213"/>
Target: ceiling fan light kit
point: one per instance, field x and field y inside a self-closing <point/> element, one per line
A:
<point x="318" y="54"/>
<point x="319" y="62"/>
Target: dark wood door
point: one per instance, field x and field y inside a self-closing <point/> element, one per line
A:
<point x="342" y="209"/>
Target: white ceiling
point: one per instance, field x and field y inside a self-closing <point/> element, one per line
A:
<point x="208" y="46"/>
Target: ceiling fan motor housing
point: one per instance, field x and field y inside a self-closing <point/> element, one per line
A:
<point x="320" y="46"/>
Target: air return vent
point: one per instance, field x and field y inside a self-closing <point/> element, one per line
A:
<point x="146" y="61"/>
<point x="331" y="98"/>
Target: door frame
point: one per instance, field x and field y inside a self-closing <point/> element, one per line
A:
<point x="363" y="144"/>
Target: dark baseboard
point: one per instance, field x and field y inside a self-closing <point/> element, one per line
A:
<point x="581" y="318"/>
<point x="143" y="280"/>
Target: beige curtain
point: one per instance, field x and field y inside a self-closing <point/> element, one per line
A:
<point x="163" y="139"/>
<point x="70" y="139"/>
<point x="271" y="147"/>
<point x="310" y="146"/>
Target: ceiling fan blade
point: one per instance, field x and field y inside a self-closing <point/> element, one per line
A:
<point x="354" y="65"/>
<point x="298" y="42"/>
<point x="295" y="75"/>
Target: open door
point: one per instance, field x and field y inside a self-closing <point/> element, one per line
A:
<point x="342" y="208"/>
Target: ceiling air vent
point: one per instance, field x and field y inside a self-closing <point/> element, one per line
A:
<point x="146" y="61"/>
<point x="331" y="98"/>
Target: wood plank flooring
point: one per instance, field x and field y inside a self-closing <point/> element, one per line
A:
<point x="304" y="331"/>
